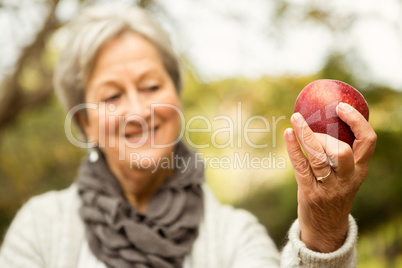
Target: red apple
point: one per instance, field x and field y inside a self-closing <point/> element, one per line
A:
<point x="317" y="103"/>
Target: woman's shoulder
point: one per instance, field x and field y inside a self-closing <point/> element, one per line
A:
<point x="224" y="213"/>
<point x="48" y="212"/>
<point x="57" y="195"/>
<point x="54" y="201"/>
<point x="46" y="230"/>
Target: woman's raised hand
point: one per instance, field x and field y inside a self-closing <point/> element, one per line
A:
<point x="323" y="208"/>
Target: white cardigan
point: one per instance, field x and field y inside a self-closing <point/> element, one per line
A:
<point x="48" y="232"/>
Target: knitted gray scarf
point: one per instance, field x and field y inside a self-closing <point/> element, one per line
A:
<point x="122" y="237"/>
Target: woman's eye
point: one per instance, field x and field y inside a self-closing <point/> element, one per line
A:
<point x="151" y="88"/>
<point x="112" y="98"/>
<point x="154" y="88"/>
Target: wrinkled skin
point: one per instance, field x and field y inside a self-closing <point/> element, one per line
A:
<point x="323" y="208"/>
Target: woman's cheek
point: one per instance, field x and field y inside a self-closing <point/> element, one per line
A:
<point x="92" y="129"/>
<point x="168" y="113"/>
<point x="108" y="130"/>
<point x="172" y="108"/>
<point x="112" y="127"/>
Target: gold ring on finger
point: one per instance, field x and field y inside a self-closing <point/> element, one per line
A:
<point x="323" y="179"/>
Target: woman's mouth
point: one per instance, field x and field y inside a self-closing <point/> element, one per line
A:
<point x="138" y="135"/>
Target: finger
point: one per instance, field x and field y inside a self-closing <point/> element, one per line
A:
<point x="339" y="153"/>
<point x="364" y="145"/>
<point x="315" y="153"/>
<point x="301" y="166"/>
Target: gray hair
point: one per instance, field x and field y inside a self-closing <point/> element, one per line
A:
<point x="94" y="26"/>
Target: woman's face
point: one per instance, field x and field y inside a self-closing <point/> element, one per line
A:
<point x="127" y="81"/>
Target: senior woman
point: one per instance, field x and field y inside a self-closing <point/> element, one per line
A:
<point x="120" y="63"/>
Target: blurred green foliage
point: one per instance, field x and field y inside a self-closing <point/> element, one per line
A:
<point x="35" y="156"/>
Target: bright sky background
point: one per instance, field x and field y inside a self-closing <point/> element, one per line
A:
<point x="221" y="47"/>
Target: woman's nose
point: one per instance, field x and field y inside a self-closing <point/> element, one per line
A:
<point x="137" y="106"/>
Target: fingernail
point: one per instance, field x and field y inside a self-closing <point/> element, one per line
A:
<point x="290" y="134"/>
<point x="298" y="119"/>
<point x="345" y="107"/>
